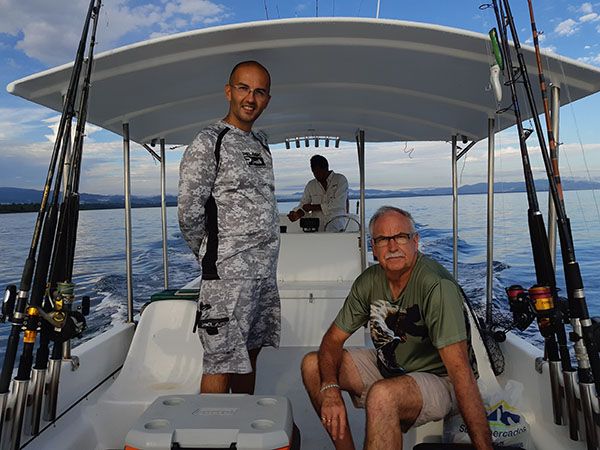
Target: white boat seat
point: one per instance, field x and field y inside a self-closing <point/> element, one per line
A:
<point x="164" y="358"/>
<point x="338" y="257"/>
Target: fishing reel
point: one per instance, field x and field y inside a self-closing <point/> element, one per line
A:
<point x="536" y="303"/>
<point x="62" y="322"/>
<point x="8" y="304"/>
<point x="520" y="306"/>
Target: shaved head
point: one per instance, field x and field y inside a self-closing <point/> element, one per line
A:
<point x="244" y="64"/>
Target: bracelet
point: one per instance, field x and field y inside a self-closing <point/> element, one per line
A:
<point x="329" y="386"/>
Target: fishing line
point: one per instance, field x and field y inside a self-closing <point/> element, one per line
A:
<point x="565" y="153"/>
<point x="500" y="159"/>
<point x="579" y="140"/>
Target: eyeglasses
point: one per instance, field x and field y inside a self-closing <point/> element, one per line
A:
<point x="400" y="239"/>
<point x="244" y="90"/>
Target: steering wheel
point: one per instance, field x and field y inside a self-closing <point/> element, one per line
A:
<point x="349" y="218"/>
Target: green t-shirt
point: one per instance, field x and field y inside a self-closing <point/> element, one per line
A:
<point x="408" y="331"/>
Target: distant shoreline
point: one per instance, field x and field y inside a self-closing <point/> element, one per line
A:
<point x="15" y="200"/>
<point x="34" y="207"/>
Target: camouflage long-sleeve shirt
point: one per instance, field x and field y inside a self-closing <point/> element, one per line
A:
<point x="244" y="211"/>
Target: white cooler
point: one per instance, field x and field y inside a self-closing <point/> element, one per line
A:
<point x="214" y="421"/>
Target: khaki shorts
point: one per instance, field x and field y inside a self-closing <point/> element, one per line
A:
<point x="439" y="400"/>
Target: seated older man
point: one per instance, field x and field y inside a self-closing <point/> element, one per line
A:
<point x="422" y="367"/>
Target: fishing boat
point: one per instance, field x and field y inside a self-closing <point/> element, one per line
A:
<point x="348" y="79"/>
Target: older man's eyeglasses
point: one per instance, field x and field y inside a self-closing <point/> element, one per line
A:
<point x="244" y="90"/>
<point x="400" y="239"/>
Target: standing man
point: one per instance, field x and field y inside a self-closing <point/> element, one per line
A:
<point x="228" y="216"/>
<point x="325" y="197"/>
<point x="422" y="368"/>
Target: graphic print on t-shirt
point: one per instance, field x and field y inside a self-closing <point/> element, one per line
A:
<point x="390" y="325"/>
<point x="254" y="159"/>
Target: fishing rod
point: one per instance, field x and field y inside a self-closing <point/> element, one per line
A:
<point x="30" y="322"/>
<point x="586" y="349"/>
<point x="542" y="297"/>
<point x="572" y="275"/>
<point x="15" y="301"/>
<point x="61" y="287"/>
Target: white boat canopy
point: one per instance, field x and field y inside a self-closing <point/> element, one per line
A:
<point x="398" y="81"/>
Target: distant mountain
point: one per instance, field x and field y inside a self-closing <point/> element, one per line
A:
<point x="10" y="195"/>
<point x="18" y="196"/>
<point x="569" y="184"/>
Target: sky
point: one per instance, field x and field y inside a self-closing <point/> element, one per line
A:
<point x="39" y="34"/>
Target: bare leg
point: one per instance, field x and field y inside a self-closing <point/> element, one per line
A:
<point x="312" y="382"/>
<point x="217" y="383"/>
<point x="243" y="383"/>
<point x="392" y="406"/>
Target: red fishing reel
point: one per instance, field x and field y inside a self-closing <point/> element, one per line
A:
<point x="535" y="303"/>
<point x="520" y="306"/>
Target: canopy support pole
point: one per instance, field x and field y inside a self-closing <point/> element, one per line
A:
<point x="490" y="224"/>
<point x="163" y="210"/>
<point x="454" y="208"/>
<point x="360" y="145"/>
<point x="127" y="189"/>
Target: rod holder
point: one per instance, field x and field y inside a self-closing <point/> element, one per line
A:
<point x="20" y="392"/>
<point x="587" y="394"/>
<point x="557" y="401"/>
<point x="5" y="417"/>
<point x="32" y="422"/>
<point x="570" y="382"/>
<point x="52" y="397"/>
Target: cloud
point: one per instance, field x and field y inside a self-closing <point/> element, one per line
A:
<point x="541" y="38"/>
<point x="50" y="31"/>
<point x="567" y="27"/>
<point x="591" y="17"/>
<point x="53" y="123"/>
<point x="594" y="59"/>
<point x="388" y="165"/>
<point x="586" y="8"/>
<point x="16" y="122"/>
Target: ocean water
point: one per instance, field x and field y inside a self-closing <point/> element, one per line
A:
<point x="100" y="257"/>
